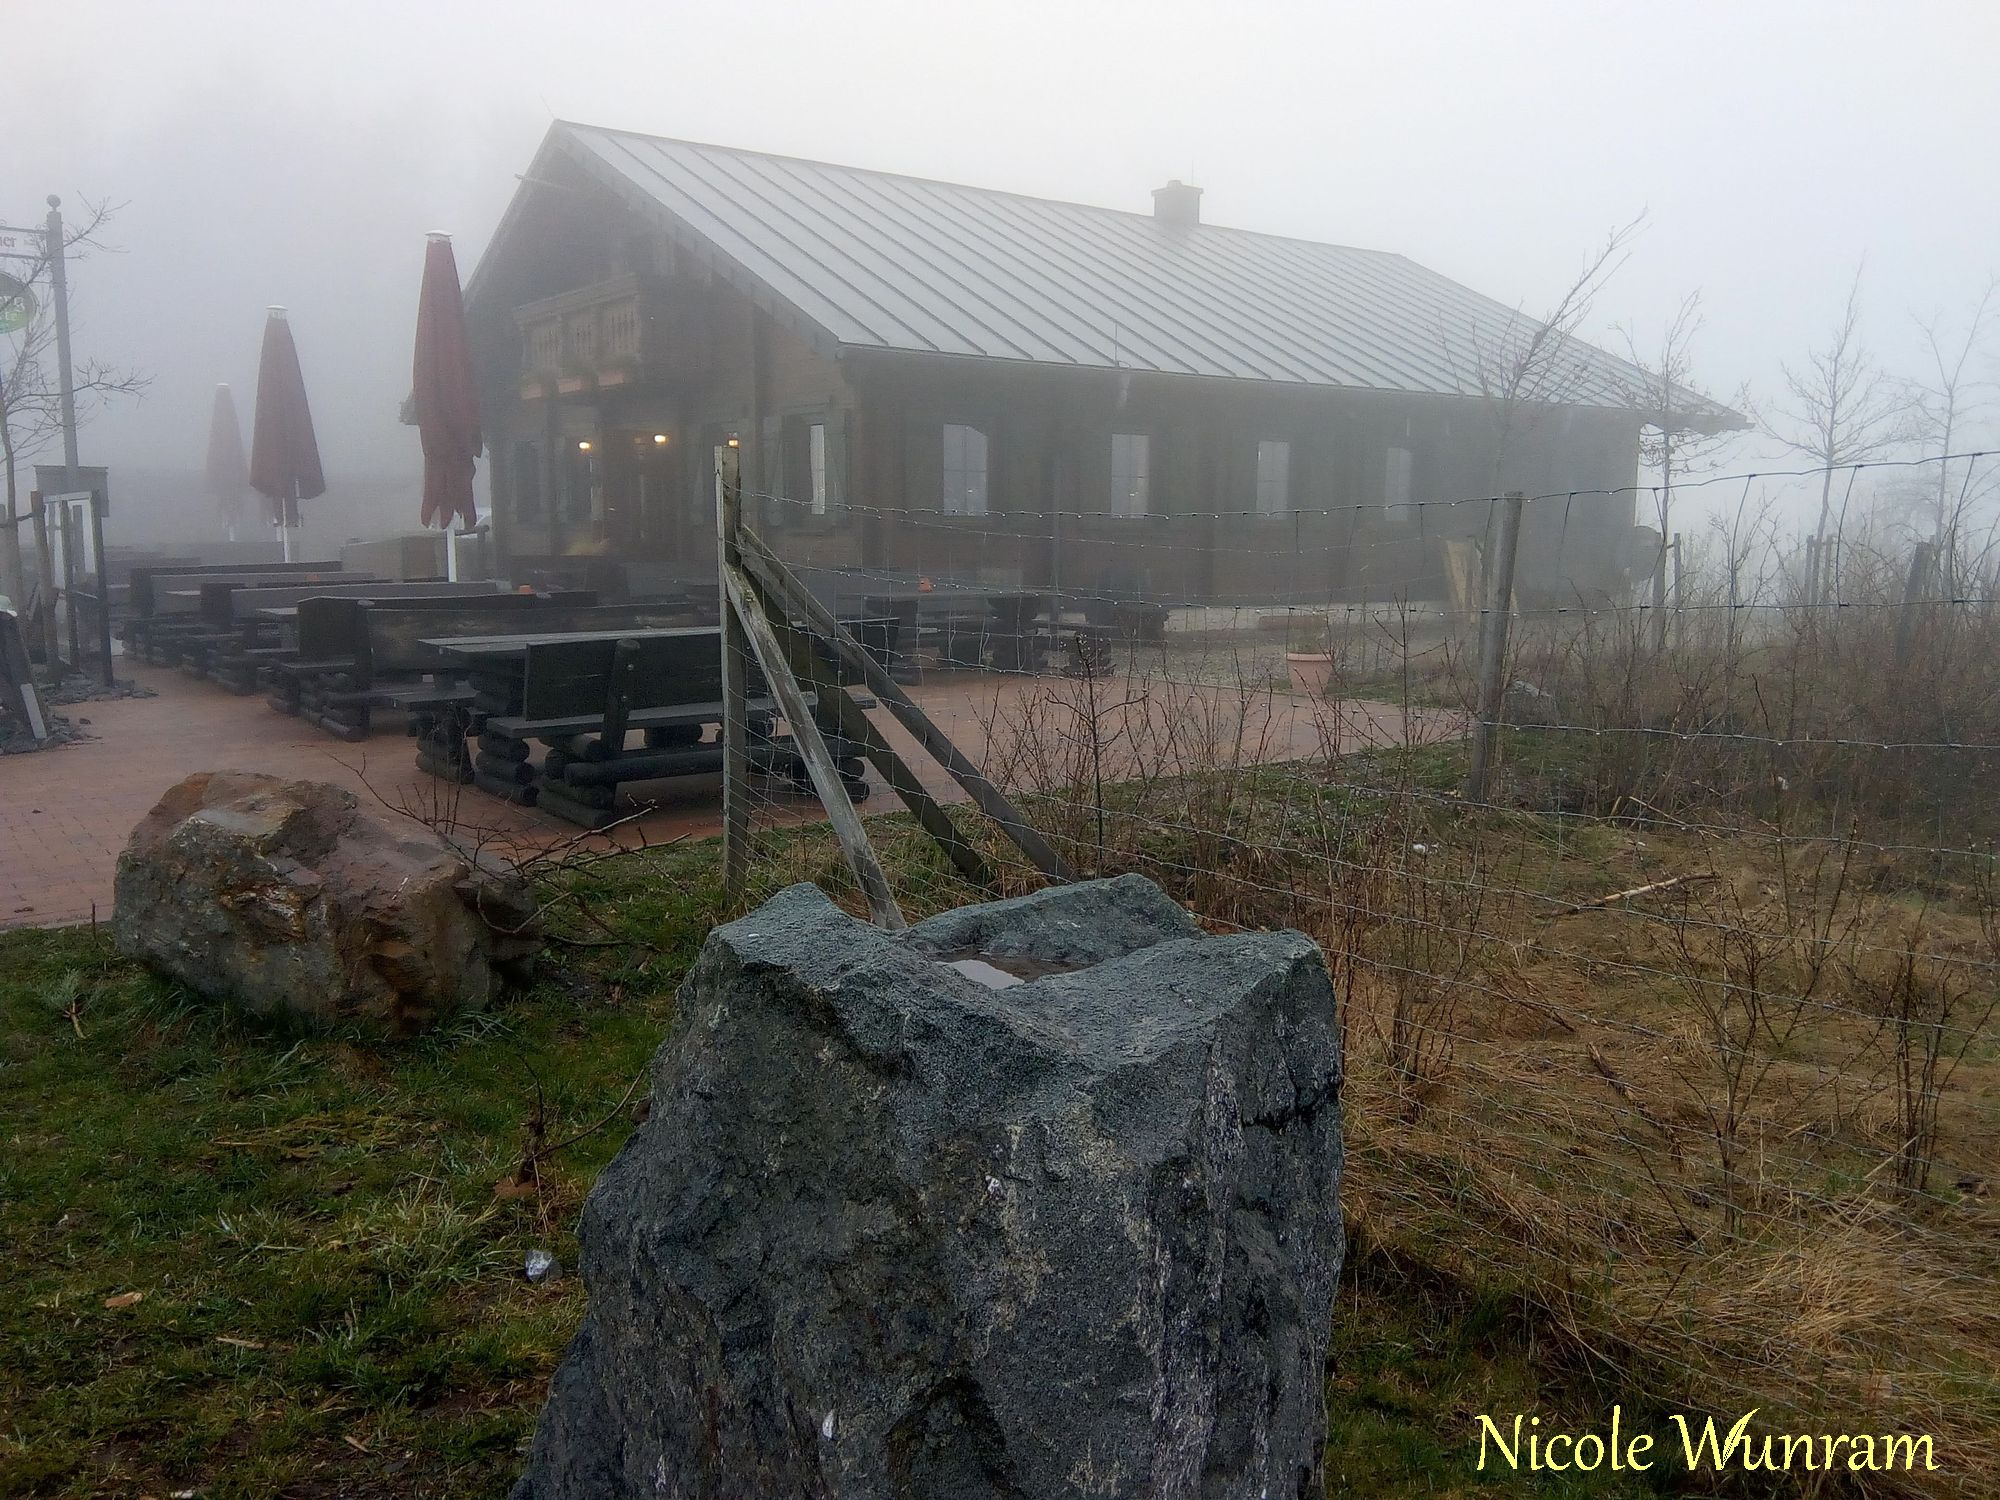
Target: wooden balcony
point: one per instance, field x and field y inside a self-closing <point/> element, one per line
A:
<point x="619" y="332"/>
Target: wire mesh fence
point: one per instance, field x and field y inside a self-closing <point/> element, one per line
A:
<point x="1683" y="1024"/>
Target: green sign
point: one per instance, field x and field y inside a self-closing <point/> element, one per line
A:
<point x="17" y="304"/>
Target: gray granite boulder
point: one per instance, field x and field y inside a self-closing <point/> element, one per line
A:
<point x="285" y="898"/>
<point x="892" y="1231"/>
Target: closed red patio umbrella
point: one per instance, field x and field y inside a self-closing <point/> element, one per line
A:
<point x="445" y="399"/>
<point x="227" y="471"/>
<point x="284" y="453"/>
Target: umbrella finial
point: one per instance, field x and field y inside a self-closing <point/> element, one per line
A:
<point x="55" y="200"/>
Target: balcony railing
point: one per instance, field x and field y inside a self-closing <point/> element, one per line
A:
<point x="612" y="333"/>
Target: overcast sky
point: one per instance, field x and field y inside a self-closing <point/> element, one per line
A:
<point x="292" y="151"/>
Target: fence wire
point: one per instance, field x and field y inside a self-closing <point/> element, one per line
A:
<point x="1686" y="1028"/>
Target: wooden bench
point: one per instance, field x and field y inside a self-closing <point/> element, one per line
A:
<point x="356" y="656"/>
<point x="153" y="611"/>
<point x="250" y="624"/>
<point x="582" y="697"/>
<point x="178" y="623"/>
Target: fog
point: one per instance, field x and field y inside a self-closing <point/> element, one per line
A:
<point x="295" y="153"/>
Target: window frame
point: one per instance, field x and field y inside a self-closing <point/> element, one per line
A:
<point x="1122" y="500"/>
<point x="956" y="503"/>
<point x="1284" y="507"/>
<point x="1399" y="511"/>
<point x="816" y="455"/>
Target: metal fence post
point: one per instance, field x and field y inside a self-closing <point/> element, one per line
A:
<point x="107" y="676"/>
<point x="1494" y="612"/>
<point x="735" y="671"/>
<point x="1660" y="595"/>
<point x="1680" y="596"/>
<point x="66" y="521"/>
<point x="1915" y="585"/>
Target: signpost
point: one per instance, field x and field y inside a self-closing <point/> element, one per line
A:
<point x="75" y="510"/>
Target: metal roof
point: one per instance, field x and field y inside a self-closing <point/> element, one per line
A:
<point x="873" y="260"/>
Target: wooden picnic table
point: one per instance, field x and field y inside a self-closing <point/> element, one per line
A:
<point x="579" y="693"/>
<point x="478" y="649"/>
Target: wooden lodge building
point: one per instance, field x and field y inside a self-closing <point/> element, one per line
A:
<point x="930" y="379"/>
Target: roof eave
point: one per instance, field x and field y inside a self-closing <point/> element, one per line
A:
<point x="1715" y="420"/>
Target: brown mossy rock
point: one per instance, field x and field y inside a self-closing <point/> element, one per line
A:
<point x="287" y="899"/>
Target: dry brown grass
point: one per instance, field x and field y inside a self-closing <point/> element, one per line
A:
<point x="1681" y="1123"/>
<point x="1737" y="1135"/>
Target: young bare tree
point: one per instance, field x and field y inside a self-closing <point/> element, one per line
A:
<point x="1841" y="410"/>
<point x="1523" y="368"/>
<point x="30" y="391"/>
<point x="1945" y="403"/>
<point x="1682" y="428"/>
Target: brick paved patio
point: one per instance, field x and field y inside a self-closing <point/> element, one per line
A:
<point x="65" y="813"/>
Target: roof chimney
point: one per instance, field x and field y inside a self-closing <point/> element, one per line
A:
<point x="1177" y="205"/>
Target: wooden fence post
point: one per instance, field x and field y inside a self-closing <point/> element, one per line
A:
<point x="1499" y="580"/>
<point x="735" y="675"/>
<point x="793" y="595"/>
<point x="812" y="750"/>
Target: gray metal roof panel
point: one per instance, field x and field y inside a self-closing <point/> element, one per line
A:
<point x="881" y="261"/>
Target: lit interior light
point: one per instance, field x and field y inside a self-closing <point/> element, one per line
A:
<point x="660" y="438"/>
<point x="583" y="445"/>
<point x="735" y="442"/>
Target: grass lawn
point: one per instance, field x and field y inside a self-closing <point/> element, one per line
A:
<point x="246" y="1264"/>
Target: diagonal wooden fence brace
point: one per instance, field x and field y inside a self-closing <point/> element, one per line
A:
<point x="795" y="597"/>
<point x="851" y="723"/>
<point x="812" y="749"/>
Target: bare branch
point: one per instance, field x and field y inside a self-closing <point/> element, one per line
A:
<point x="1525" y="367"/>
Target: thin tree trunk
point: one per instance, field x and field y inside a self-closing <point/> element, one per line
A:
<point x="13" y="581"/>
<point x="1816" y="577"/>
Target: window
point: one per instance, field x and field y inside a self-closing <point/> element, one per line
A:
<point x="1396" y="503"/>
<point x="808" y="460"/>
<point x="964" y="488"/>
<point x="1274" y="478"/>
<point x="1128" y="473"/>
